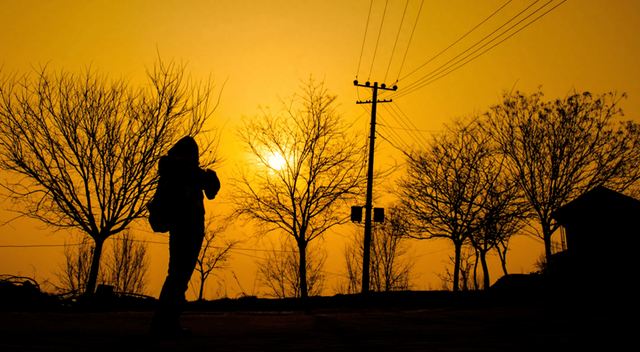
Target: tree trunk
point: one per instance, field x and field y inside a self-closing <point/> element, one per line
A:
<point x="303" y="268"/>
<point x="546" y="234"/>
<point x="95" y="266"/>
<point x="485" y="270"/>
<point x="456" y="269"/>
<point x="202" y="279"/>
<point x="503" y="258"/>
<point x="475" y="270"/>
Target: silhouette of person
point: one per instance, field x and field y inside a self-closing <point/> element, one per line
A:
<point x="183" y="183"/>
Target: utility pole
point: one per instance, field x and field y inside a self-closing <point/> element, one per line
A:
<point x="366" y="257"/>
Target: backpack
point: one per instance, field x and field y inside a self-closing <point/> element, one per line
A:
<point x="159" y="210"/>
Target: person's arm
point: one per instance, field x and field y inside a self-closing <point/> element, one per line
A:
<point x="211" y="184"/>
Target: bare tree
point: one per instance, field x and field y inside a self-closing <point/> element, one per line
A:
<point x="447" y="187"/>
<point x="559" y="150"/>
<point x="125" y="269"/>
<point x="353" y="253"/>
<point x="391" y="260"/>
<point x="85" y="147"/>
<point x="279" y="270"/>
<point x="321" y="170"/>
<point x="211" y="256"/>
<point x="466" y="266"/>
<point x="127" y="265"/>
<point x="73" y="272"/>
<point x="505" y="212"/>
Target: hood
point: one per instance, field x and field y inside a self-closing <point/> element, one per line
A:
<point x="185" y="148"/>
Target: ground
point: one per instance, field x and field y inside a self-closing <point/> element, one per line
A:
<point x="337" y="325"/>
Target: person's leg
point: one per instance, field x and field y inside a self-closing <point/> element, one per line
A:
<point x="184" y="248"/>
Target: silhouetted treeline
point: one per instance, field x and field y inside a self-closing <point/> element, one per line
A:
<point x="488" y="177"/>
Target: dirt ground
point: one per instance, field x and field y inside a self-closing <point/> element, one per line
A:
<point x="496" y="328"/>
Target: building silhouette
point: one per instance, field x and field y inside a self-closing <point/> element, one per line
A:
<point x="602" y="228"/>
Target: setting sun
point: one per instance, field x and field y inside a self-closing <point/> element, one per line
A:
<point x="276" y="161"/>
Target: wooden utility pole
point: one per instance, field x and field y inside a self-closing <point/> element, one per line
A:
<point x="368" y="208"/>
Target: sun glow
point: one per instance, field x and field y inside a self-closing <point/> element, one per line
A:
<point x="276" y="161"/>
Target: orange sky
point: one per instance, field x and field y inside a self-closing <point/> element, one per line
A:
<point x="265" y="48"/>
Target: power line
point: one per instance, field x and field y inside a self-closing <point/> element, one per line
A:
<point x="396" y="138"/>
<point x="73" y="244"/>
<point x="412" y="85"/>
<point x="396" y="43"/>
<point x="404" y="121"/>
<point x="410" y="37"/>
<point x="37" y="245"/>
<point x="396" y="142"/>
<point x="392" y="143"/>
<point x="401" y="122"/>
<point x="451" y="69"/>
<point x="378" y="41"/>
<point x="135" y="240"/>
<point x="461" y="59"/>
<point x="416" y="130"/>
<point x="365" y="39"/>
<point x="407" y="119"/>
<point x="459" y="39"/>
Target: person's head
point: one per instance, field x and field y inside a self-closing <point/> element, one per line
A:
<point x="185" y="148"/>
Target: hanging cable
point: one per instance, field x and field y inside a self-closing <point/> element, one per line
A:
<point x="386" y="126"/>
<point x="406" y="118"/>
<point x="451" y="68"/>
<point x="365" y="39"/>
<point x="409" y="44"/>
<point x="396" y="43"/>
<point x="378" y="41"/>
<point x="459" y="39"/>
<point x="402" y="123"/>
<point x="392" y="137"/>
<point x="392" y="142"/>
<point x="474" y="45"/>
<point x="410" y="129"/>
